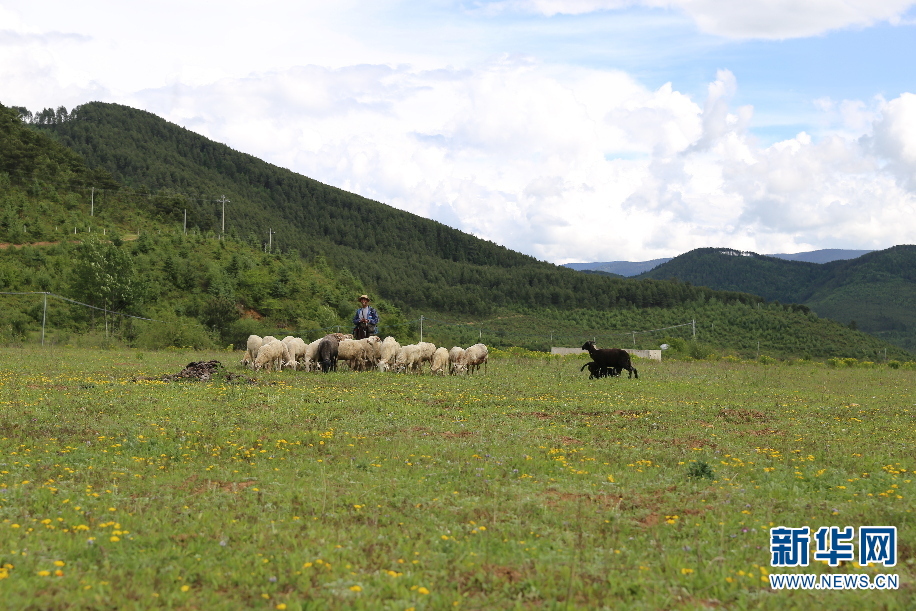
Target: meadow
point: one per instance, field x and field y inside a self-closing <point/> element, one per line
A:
<point x="529" y="486"/>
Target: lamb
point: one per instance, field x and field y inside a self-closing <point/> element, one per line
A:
<point x="456" y="360"/>
<point x="271" y="355"/>
<point x="388" y="353"/>
<point x="251" y="350"/>
<point x="327" y="353"/>
<point x="440" y="361"/>
<point x="475" y="356"/>
<point x="359" y="353"/>
<point x="614" y="359"/>
<point x="596" y="370"/>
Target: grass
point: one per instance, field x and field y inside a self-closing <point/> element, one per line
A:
<point x="528" y="487"/>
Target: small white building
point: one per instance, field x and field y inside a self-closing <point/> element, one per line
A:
<point x="655" y="355"/>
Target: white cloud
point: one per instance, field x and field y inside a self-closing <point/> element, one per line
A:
<point x="536" y="157"/>
<point x="798" y="194"/>
<point x="895" y="137"/>
<point x="769" y="19"/>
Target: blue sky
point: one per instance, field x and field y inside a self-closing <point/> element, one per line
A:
<point x="581" y="130"/>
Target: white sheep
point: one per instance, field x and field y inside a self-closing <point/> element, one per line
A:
<point x="408" y="358"/>
<point x="359" y="353"/>
<point x="475" y="356"/>
<point x="427" y="350"/>
<point x="271" y="355"/>
<point x="388" y="353"/>
<point x="456" y="360"/>
<point x="296" y="347"/>
<point x="309" y="362"/>
<point x="440" y="361"/>
<point x="251" y="350"/>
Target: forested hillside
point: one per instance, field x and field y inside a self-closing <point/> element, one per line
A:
<point x="875" y="292"/>
<point x="125" y="248"/>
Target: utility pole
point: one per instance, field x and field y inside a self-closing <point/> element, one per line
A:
<point x="186" y="220"/>
<point x="92" y="203"/>
<point x="44" y="318"/>
<point x="224" y="201"/>
<point x="270" y="239"/>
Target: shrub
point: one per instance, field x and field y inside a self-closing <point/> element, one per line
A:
<point x="238" y="331"/>
<point x="174" y="332"/>
<point x="700" y="470"/>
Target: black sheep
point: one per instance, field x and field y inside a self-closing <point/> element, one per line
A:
<point x="595" y="371"/>
<point x="327" y="353"/>
<point x="611" y="358"/>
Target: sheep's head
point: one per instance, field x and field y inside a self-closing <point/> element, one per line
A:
<point x="589" y="345"/>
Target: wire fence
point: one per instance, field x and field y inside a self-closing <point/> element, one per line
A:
<point x="419" y="325"/>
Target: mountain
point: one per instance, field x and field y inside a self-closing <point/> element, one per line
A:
<point x="875" y="292"/>
<point x="825" y="255"/>
<point x="132" y="177"/>
<point x="634" y="268"/>
<point x="621" y="268"/>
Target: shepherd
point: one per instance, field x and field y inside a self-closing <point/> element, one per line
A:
<point x="365" y="321"/>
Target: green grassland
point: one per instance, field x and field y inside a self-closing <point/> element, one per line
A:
<point x="528" y="486"/>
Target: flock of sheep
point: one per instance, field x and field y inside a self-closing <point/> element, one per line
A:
<point x="360" y="355"/>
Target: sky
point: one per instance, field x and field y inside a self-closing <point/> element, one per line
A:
<point x="572" y="131"/>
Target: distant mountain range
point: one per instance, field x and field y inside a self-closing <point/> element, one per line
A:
<point x="634" y="268"/>
<point x="874" y="292"/>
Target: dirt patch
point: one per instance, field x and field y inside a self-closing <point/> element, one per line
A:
<point x="570" y="441"/>
<point x="458" y="435"/>
<point x="541" y="415"/>
<point x="626" y="413"/>
<point x="764" y="432"/>
<point x="198" y="486"/>
<point x="252" y="314"/>
<point x="7" y="244"/>
<point x="446" y="434"/>
<point x="741" y="416"/>
<point x="688" y="442"/>
<point x="650" y="520"/>
<point x="601" y="500"/>
<point x="504" y="573"/>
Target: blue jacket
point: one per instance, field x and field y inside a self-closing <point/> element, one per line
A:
<point x="372" y="317"/>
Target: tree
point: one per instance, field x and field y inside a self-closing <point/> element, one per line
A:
<point x="104" y="277"/>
